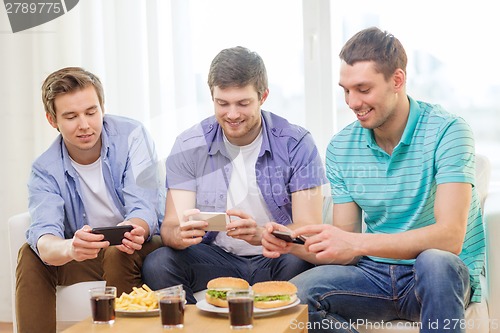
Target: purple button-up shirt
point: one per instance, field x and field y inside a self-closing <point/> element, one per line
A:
<point x="288" y="162"/>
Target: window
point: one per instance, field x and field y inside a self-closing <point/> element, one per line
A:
<point x="200" y="29"/>
<point x="451" y="58"/>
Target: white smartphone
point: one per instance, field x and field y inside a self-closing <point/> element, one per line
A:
<point x="216" y="221"/>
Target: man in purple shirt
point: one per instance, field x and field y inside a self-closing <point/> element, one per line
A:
<point x="251" y="164"/>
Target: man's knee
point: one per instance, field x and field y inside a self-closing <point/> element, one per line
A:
<point x="440" y="265"/>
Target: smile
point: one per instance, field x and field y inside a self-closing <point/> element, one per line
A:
<point x="362" y="113"/>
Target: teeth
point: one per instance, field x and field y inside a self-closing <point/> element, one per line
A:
<point x="362" y="113"/>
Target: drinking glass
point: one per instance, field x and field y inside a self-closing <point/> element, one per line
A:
<point x="240" y="308"/>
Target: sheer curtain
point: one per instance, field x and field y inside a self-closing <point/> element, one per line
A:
<point x="153" y="58"/>
<point x="116" y="39"/>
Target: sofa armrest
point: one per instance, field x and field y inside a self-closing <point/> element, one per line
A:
<point x="492" y="231"/>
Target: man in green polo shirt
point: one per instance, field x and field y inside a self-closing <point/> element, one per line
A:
<point x="406" y="168"/>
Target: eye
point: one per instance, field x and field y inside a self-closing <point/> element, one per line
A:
<point x="222" y="103"/>
<point x="244" y="103"/>
<point x="364" y="91"/>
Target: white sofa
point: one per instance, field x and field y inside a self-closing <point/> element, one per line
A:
<point x="72" y="303"/>
<point x="481" y="317"/>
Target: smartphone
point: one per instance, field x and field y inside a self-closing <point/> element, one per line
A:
<point x="216" y="221"/>
<point x="287" y="237"/>
<point x="113" y="235"/>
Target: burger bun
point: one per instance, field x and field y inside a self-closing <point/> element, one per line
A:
<point x="273" y="288"/>
<point x="224" y="284"/>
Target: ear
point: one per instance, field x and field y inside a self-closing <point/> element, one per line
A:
<point x="264" y="96"/>
<point x="52" y="121"/>
<point x="399" y="79"/>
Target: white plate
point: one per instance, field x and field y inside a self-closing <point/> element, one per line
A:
<point x="137" y="313"/>
<point x="203" y="305"/>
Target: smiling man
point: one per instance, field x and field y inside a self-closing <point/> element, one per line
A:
<point x="99" y="172"/>
<point x="406" y="168"/>
<point x="249" y="163"/>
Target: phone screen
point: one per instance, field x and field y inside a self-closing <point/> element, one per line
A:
<point x="113" y="235"/>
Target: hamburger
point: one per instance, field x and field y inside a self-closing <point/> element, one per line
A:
<point x="218" y="288"/>
<point x="274" y="294"/>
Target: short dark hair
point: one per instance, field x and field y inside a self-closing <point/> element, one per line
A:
<point x="238" y="67"/>
<point x="373" y="44"/>
<point x="66" y="80"/>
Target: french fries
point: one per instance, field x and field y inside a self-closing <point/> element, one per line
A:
<point x="139" y="299"/>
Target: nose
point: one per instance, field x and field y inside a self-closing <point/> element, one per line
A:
<point x="82" y="122"/>
<point x="353" y="101"/>
<point x="233" y="112"/>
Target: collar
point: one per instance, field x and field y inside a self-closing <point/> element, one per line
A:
<point x="215" y="137"/>
<point x="411" y="124"/>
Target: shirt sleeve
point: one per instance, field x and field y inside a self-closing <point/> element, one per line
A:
<point x="339" y="191"/>
<point x="308" y="170"/>
<point x="455" y="160"/>
<point x="46" y="207"/>
<point x="141" y="183"/>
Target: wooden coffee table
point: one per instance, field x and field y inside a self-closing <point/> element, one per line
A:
<point x="195" y="321"/>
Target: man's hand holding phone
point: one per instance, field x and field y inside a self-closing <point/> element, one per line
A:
<point x="216" y="221"/>
<point x="195" y="224"/>
<point x="287" y="237"/>
<point x="276" y="240"/>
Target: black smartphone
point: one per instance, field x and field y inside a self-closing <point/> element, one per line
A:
<point x="113" y="235"/>
<point x="286" y="236"/>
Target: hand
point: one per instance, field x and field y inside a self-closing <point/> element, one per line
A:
<point x="133" y="240"/>
<point x="330" y="244"/>
<point x="191" y="232"/>
<point x="244" y="228"/>
<point x="273" y="247"/>
<point x="86" y="245"/>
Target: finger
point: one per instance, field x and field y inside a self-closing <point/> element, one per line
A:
<point x="188" y="213"/>
<point x="270" y="254"/>
<point x="192" y="233"/>
<point x="190" y="225"/>
<point x="311" y="229"/>
<point x="239" y="213"/>
<point x="192" y="241"/>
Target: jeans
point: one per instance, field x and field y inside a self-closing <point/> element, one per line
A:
<point x="434" y="291"/>
<point x="36" y="282"/>
<point x="194" y="266"/>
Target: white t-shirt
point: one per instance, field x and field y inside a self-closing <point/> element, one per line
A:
<point x="99" y="206"/>
<point x="244" y="194"/>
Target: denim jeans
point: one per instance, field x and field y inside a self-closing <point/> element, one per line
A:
<point x="36" y="282"/>
<point x="434" y="291"/>
<point x="195" y="266"/>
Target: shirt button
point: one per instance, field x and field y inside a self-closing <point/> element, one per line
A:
<point x="206" y="202"/>
<point x="221" y="196"/>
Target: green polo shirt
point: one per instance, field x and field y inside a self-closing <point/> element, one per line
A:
<point x="397" y="192"/>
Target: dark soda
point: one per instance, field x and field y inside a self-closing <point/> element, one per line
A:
<point x="103" y="308"/>
<point x="172" y="312"/>
<point x="241" y="312"/>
